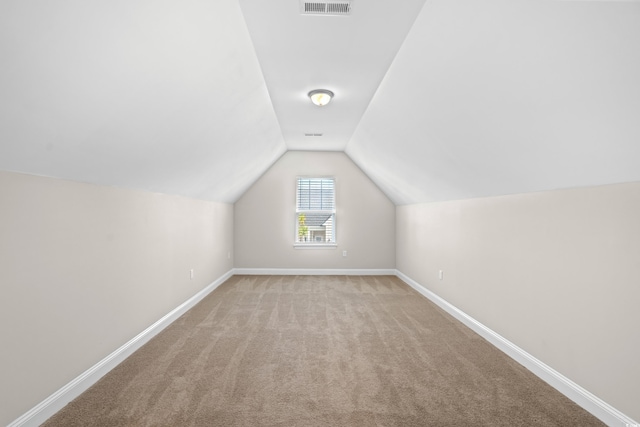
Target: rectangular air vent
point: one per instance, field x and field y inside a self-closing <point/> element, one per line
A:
<point x="325" y="7"/>
<point x="312" y="134"/>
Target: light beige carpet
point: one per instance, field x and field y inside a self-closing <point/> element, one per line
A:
<point x="319" y="351"/>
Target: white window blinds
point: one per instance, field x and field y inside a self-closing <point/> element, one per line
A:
<point x="315" y="211"/>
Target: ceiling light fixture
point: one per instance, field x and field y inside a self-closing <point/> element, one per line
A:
<point x="320" y="97"/>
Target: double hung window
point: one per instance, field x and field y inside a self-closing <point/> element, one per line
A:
<point x="315" y="211"/>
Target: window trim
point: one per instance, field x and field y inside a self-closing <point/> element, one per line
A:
<point x="315" y="245"/>
<point x="311" y="244"/>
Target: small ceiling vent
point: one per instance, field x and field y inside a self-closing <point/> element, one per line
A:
<point x="312" y="134"/>
<point x="325" y="7"/>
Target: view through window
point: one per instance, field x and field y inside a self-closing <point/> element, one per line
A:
<point x="315" y="211"/>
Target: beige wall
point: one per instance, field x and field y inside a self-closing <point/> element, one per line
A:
<point x="265" y="217"/>
<point x="557" y="273"/>
<point x="85" y="268"/>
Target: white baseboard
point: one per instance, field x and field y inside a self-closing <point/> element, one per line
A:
<point x="314" y="272"/>
<point x="48" y="407"/>
<point x="600" y="409"/>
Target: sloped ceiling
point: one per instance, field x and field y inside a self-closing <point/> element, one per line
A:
<point x="500" y="97"/>
<point x="163" y="96"/>
<point x="347" y="54"/>
<point x="435" y="100"/>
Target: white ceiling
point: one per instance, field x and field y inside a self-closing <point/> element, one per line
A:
<point x="500" y="97"/>
<point x="164" y="96"/>
<point x="348" y="55"/>
<point x="435" y="100"/>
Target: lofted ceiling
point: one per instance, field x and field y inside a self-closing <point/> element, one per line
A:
<point x="348" y="55"/>
<point x="434" y="100"/>
<point x="500" y="97"/>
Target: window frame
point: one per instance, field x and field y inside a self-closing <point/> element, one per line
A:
<point x="312" y="244"/>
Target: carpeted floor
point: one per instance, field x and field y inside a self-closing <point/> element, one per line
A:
<point x="319" y="351"/>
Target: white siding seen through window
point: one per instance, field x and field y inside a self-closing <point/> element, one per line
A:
<point x="315" y="211"/>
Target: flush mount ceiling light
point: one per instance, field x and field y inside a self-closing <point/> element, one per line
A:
<point x="320" y="97"/>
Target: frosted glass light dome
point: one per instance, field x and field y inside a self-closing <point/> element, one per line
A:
<point x="320" y="97"/>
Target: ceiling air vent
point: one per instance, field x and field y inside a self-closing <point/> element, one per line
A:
<point x="312" y="134"/>
<point x="325" y="7"/>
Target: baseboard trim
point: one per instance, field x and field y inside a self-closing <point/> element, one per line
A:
<point x="48" y="407"/>
<point x="591" y="403"/>
<point x="314" y="272"/>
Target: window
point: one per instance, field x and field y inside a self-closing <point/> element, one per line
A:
<point x="315" y="211"/>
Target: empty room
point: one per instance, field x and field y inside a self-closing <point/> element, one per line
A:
<point x="344" y="213"/>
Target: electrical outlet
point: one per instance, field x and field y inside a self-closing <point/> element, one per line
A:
<point x="441" y="275"/>
<point x="228" y="255"/>
<point x="191" y="273"/>
<point x="344" y="253"/>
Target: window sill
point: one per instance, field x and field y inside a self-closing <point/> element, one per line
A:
<point x="315" y="245"/>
